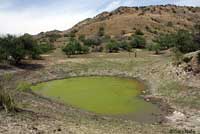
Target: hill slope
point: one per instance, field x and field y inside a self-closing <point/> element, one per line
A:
<point x="124" y="21"/>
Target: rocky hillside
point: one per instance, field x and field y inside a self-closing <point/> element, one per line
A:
<point x="124" y="21"/>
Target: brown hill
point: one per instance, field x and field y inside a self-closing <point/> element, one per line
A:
<point x="124" y="21"/>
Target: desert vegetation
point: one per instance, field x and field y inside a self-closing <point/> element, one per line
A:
<point x="107" y="74"/>
<point x="15" y="49"/>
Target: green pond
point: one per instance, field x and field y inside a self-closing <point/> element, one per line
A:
<point x="101" y="95"/>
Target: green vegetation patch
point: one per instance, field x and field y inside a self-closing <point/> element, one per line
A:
<point x="102" y="95"/>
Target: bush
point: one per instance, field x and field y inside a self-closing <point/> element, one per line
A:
<point x="45" y="47"/>
<point x="15" y="48"/>
<point x="124" y="45"/>
<point x="155" y="47"/>
<point x="184" y="42"/>
<point x="74" y="47"/>
<point x="69" y="50"/>
<point x="92" y="42"/>
<point x="138" y="42"/>
<point x="112" y="46"/>
<point x="84" y="49"/>
<point x="165" y="41"/>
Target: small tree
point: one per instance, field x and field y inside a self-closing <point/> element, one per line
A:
<point x="124" y="45"/>
<point x="69" y="49"/>
<point x="112" y="46"/>
<point x="156" y="47"/>
<point x="85" y="49"/>
<point x="184" y="42"/>
<point x="74" y="47"/>
<point x="138" y="42"/>
<point x="45" y="47"/>
<point x="165" y="41"/>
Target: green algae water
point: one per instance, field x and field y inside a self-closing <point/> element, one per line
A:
<point x="101" y="95"/>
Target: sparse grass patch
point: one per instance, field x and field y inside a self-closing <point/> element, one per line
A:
<point x="23" y="86"/>
<point x="6" y="101"/>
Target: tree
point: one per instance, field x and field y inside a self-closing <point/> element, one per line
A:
<point x="45" y="47"/>
<point x="69" y="49"/>
<point x="165" y="41"/>
<point x="156" y="47"/>
<point x="125" y="45"/>
<point x="184" y="42"/>
<point x="32" y="48"/>
<point x="91" y="42"/>
<point x="74" y="47"/>
<point x="138" y="42"/>
<point x="112" y="46"/>
<point x="84" y="50"/>
<point x="15" y="48"/>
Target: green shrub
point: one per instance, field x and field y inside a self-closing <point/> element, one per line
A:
<point x="91" y="42"/>
<point x="138" y="42"/>
<point x="124" y="45"/>
<point x="74" y="47"/>
<point x="156" y="47"/>
<point x="184" y="42"/>
<point x="46" y="47"/>
<point x="166" y="41"/>
<point x="112" y="46"/>
<point x="85" y="49"/>
<point x="14" y="49"/>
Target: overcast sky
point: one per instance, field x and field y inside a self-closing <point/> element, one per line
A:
<point x="34" y="16"/>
